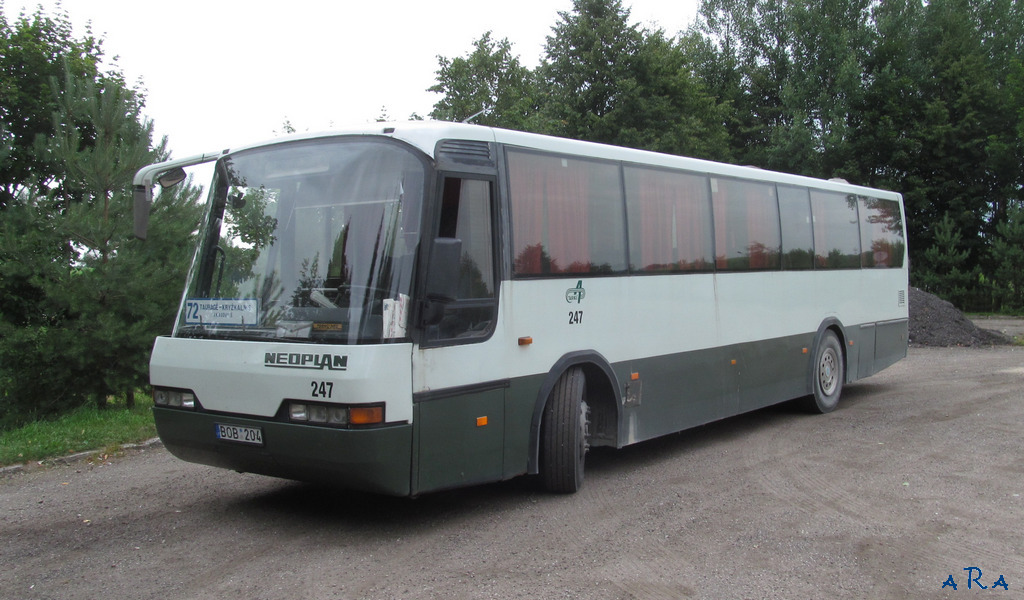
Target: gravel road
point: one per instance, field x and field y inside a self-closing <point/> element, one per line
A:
<point x="917" y="476"/>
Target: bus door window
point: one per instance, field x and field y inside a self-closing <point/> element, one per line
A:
<point x="467" y="215"/>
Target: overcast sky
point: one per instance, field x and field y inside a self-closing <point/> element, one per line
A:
<point x="223" y="73"/>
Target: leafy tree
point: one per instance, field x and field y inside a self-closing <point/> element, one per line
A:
<point x="606" y="80"/>
<point x="589" y="57"/>
<point x="958" y="115"/>
<point x="920" y="98"/>
<point x="602" y="79"/>
<point x="792" y="71"/>
<point x="831" y="43"/>
<point x="35" y="53"/>
<point x="488" y="79"/>
<point x="925" y="98"/>
<point x="882" y="154"/>
<point x="664" y="107"/>
<point x="743" y="51"/>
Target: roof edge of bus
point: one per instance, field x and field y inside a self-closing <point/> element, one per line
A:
<point x="423" y="135"/>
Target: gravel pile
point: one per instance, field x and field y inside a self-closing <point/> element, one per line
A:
<point x="935" y="322"/>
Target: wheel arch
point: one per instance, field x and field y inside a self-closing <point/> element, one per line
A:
<point x="835" y="326"/>
<point x="603" y="396"/>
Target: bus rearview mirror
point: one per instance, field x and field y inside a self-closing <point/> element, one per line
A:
<point x="443" y="270"/>
<point x="171" y="178"/>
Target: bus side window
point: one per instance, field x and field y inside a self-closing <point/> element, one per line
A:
<point x="836" y="230"/>
<point x="466" y="215"/>
<point x="797" y="231"/>
<point x="881" y="233"/>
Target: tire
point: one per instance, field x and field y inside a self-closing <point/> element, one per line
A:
<point x="827" y="376"/>
<point x="564" y="432"/>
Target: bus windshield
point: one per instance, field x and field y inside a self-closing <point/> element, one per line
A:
<point x="311" y="241"/>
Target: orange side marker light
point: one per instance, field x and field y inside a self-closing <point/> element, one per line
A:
<point x="481" y="421"/>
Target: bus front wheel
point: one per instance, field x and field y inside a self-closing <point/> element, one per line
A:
<point x="564" y="432"/>
<point x="828" y="375"/>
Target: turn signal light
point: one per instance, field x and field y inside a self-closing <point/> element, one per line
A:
<point x="366" y="415"/>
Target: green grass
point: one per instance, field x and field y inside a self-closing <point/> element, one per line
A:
<point x="86" y="428"/>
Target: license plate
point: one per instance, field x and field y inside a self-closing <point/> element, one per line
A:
<point x="237" y="433"/>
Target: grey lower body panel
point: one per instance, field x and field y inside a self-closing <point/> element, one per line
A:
<point x="482" y="433"/>
<point x="373" y="460"/>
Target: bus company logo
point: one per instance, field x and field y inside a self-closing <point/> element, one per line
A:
<point x="575" y="294"/>
<point x="298" y="360"/>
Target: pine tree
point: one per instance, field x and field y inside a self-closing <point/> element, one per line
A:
<point x="80" y="299"/>
<point x="1008" y="254"/>
<point x="945" y="271"/>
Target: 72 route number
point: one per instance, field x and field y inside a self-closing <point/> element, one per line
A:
<point x="575" y="317"/>
<point x="322" y="389"/>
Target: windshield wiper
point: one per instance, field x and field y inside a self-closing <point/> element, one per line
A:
<point x="210" y="333"/>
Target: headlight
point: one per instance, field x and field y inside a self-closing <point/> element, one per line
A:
<point x="334" y="415"/>
<point x="174" y="398"/>
<point x="298" y="412"/>
<point x="317" y="413"/>
<point x="337" y="415"/>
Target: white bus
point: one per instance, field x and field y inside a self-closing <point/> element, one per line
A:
<point x="413" y="307"/>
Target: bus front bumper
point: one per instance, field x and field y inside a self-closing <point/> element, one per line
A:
<point x="373" y="460"/>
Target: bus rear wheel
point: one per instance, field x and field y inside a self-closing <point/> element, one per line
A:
<point x="564" y="433"/>
<point x="828" y="376"/>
